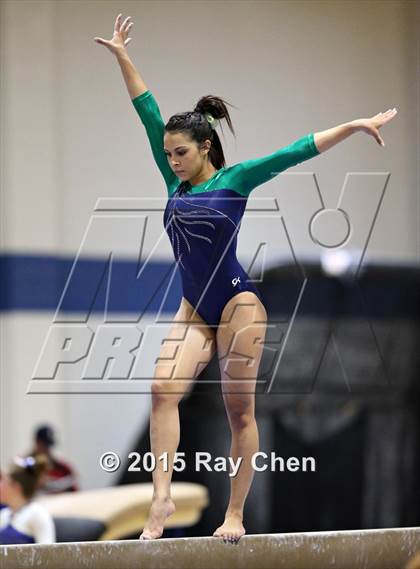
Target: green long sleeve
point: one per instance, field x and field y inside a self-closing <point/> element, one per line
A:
<point x="249" y="174"/>
<point x="149" y="113"/>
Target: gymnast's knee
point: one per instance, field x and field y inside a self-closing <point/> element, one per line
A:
<point x="240" y="415"/>
<point x="166" y="392"/>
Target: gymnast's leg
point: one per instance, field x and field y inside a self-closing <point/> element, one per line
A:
<point x="186" y="351"/>
<point x="240" y="345"/>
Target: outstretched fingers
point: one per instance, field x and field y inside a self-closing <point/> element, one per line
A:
<point x="120" y="37"/>
<point x="117" y="23"/>
<point x="386" y="116"/>
<point x="101" y="41"/>
<point x="125" y="24"/>
<point x="126" y="32"/>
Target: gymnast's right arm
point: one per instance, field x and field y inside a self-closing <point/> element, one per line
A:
<point x="142" y="99"/>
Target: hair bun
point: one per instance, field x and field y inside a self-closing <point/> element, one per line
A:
<point x="201" y="124"/>
<point x="24" y="461"/>
<point x="31" y="463"/>
<point x="211" y="120"/>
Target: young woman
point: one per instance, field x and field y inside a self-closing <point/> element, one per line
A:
<point x="21" y="519"/>
<point x="220" y="310"/>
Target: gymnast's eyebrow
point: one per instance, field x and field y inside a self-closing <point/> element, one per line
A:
<point x="177" y="148"/>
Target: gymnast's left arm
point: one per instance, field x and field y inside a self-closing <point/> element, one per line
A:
<point x="249" y="174"/>
<point x="328" y="138"/>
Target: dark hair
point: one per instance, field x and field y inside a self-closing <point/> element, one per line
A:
<point x="45" y="434"/>
<point x="27" y="471"/>
<point x="195" y="123"/>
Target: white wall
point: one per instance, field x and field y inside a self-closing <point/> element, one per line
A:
<point x="70" y="136"/>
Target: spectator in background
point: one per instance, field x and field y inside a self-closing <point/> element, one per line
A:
<point x="59" y="476"/>
<point x="21" y="519"/>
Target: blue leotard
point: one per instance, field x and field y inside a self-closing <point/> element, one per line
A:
<point x="203" y="221"/>
<point x="32" y="523"/>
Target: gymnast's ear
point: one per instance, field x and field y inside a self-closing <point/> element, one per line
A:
<point x="205" y="146"/>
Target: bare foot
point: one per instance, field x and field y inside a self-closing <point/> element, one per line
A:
<point x="232" y="529"/>
<point x="160" y="509"/>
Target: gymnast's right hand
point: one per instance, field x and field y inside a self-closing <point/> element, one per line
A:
<point x="120" y="38"/>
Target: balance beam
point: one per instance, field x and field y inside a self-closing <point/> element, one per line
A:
<point x="355" y="549"/>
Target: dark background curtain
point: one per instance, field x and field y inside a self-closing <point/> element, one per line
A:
<point x="346" y="392"/>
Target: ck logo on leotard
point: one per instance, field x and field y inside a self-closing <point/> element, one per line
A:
<point x="236" y="280"/>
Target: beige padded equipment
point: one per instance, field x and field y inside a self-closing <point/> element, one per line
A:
<point x="124" y="509"/>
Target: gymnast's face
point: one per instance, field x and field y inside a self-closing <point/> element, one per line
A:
<point x="185" y="156"/>
<point x="9" y="488"/>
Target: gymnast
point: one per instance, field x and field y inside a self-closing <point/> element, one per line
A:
<point x="221" y="310"/>
<point x="21" y="519"/>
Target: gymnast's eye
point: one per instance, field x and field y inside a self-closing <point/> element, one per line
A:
<point x="178" y="152"/>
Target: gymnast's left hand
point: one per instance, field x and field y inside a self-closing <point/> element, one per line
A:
<point x="371" y="126"/>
